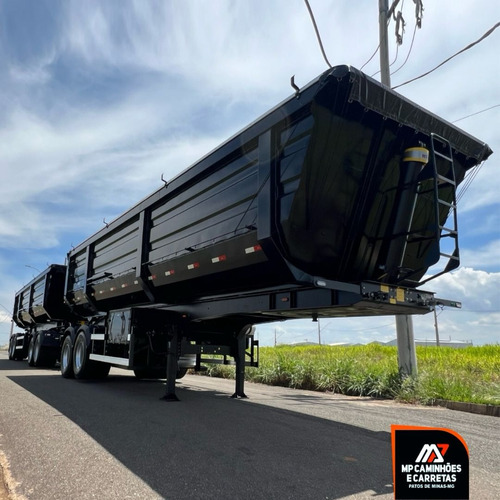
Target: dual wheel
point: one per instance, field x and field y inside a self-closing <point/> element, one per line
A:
<point x="38" y="355"/>
<point x="75" y="360"/>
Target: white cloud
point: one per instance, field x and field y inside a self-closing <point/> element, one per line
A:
<point x="487" y="257"/>
<point x="476" y="289"/>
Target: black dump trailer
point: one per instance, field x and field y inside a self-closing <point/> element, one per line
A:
<point x="40" y="310"/>
<point x="334" y="203"/>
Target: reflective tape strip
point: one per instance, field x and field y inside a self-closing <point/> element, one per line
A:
<point x="152" y="277"/>
<point x="169" y="273"/>
<point x="124" y="285"/>
<point x="420" y="155"/>
<point x="194" y="265"/>
<point x="219" y="258"/>
<point x="255" y="248"/>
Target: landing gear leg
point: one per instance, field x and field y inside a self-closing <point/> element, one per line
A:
<point x="241" y="343"/>
<point x="173" y="346"/>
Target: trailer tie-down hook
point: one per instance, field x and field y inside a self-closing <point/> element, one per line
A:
<point x="164" y="181"/>
<point x="295" y="86"/>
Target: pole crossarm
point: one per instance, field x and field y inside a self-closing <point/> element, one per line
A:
<point x="392" y="9"/>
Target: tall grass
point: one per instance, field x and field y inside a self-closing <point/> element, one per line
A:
<point x="470" y="375"/>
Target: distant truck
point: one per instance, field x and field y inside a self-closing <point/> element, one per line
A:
<point x="334" y="203"/>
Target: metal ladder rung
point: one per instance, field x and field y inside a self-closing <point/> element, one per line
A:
<point x="447" y="229"/>
<point x="445" y="179"/>
<point x="447" y="204"/>
<point x="442" y="155"/>
<point x="449" y="234"/>
<point x="451" y="257"/>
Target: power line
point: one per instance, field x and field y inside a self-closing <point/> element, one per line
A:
<point x="372" y="56"/>
<point x="409" y="52"/>
<point x="471" y="174"/>
<point x="468" y="181"/>
<point x="311" y="14"/>
<point x="476" y="113"/>
<point x="488" y="33"/>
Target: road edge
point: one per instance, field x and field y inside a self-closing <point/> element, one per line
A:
<point x="7" y="483"/>
<point x="480" y="409"/>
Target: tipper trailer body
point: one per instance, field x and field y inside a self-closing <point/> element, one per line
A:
<point x="334" y="203"/>
<point x="40" y="310"/>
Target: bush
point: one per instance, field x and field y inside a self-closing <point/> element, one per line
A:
<point x="470" y="375"/>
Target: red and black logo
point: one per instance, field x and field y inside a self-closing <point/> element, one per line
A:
<point x="429" y="463"/>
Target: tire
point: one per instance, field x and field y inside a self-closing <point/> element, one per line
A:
<point x="80" y="356"/>
<point x="67" y="358"/>
<point x="38" y="351"/>
<point x="180" y="373"/>
<point x="17" y="354"/>
<point x="31" y="349"/>
<point x="12" y="347"/>
<point x="83" y="367"/>
<point x="42" y="355"/>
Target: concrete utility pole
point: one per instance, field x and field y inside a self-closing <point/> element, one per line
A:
<point x="436" y="326"/>
<point x="385" y="75"/>
<point x="407" y="356"/>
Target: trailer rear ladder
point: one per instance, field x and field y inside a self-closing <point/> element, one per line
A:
<point x="437" y="193"/>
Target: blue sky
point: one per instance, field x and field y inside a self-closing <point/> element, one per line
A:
<point x="100" y="98"/>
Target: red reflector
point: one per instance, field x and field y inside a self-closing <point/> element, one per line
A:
<point x="219" y="258"/>
<point x="255" y="248"/>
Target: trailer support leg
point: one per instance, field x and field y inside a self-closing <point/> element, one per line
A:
<point x="240" y="365"/>
<point x="171" y="368"/>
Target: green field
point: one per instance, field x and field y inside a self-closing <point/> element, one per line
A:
<point x="469" y="375"/>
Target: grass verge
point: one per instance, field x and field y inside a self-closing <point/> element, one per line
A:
<point x="470" y="375"/>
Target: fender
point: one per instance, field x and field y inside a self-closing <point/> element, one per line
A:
<point x="87" y="330"/>
<point x="71" y="331"/>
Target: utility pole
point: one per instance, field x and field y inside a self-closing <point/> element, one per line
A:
<point x="436" y="326"/>
<point x="383" y="11"/>
<point x="407" y="356"/>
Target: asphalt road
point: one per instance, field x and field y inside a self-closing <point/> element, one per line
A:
<point x="114" y="439"/>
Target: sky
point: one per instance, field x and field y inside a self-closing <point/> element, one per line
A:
<point x="100" y="98"/>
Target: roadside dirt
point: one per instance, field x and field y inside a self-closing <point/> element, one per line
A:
<point x="6" y="492"/>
